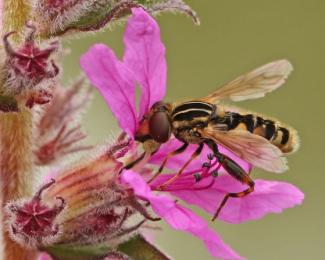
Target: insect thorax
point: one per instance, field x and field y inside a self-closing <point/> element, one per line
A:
<point x="188" y="117"/>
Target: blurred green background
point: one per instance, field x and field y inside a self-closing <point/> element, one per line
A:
<point x="234" y="37"/>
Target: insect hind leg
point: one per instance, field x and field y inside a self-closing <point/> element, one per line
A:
<point x="233" y="195"/>
<point x="235" y="171"/>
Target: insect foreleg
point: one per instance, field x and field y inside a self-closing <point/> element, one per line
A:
<point x="169" y="155"/>
<point x="133" y="163"/>
<point x="235" y="171"/>
<point x="193" y="156"/>
<point x="141" y="209"/>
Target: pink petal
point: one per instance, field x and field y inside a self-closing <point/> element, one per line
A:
<point x="145" y="55"/>
<point x="176" y="162"/>
<point x="268" y="197"/>
<point x="44" y="256"/>
<point x="50" y="175"/>
<point x="114" y="81"/>
<point x="180" y="218"/>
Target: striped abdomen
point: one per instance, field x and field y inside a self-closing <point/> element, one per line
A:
<point x="281" y="136"/>
<point x="193" y="114"/>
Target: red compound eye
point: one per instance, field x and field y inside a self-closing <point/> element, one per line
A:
<point x="159" y="127"/>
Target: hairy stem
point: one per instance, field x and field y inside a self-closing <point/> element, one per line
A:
<point x="15" y="168"/>
<point x="15" y="139"/>
<point x="15" y="14"/>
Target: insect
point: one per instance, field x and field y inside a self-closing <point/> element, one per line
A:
<point x="257" y="139"/>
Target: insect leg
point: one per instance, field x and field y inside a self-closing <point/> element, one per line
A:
<point x="235" y="171"/>
<point x="234" y="195"/>
<point x="193" y="156"/>
<point x="141" y="209"/>
<point x="206" y="166"/>
<point x="133" y="163"/>
<point x="169" y="155"/>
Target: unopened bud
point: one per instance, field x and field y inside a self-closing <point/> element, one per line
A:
<point x="57" y="17"/>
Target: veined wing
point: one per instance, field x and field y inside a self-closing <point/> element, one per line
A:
<point x="254" y="84"/>
<point x="252" y="148"/>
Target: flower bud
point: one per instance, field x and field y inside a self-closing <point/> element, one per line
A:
<point x="33" y="222"/>
<point x="57" y="17"/>
<point x="100" y="208"/>
<point x="28" y="66"/>
<point x="96" y="208"/>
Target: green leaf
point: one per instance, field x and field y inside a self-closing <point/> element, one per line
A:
<point x="66" y="252"/>
<point x="8" y="104"/>
<point x="140" y="249"/>
<point x="137" y="248"/>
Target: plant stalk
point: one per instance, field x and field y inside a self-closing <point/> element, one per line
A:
<point x="16" y="165"/>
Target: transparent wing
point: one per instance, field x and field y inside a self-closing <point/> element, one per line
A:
<point x="252" y="148"/>
<point x="254" y="84"/>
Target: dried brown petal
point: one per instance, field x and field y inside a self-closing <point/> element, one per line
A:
<point x="59" y="130"/>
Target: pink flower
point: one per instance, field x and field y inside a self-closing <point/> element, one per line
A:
<point x="44" y="256"/>
<point x="144" y="63"/>
<point x="179" y="217"/>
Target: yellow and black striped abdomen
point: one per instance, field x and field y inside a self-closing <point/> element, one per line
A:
<point x="191" y="114"/>
<point x="282" y="136"/>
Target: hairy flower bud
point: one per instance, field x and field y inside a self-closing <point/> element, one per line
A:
<point x="100" y="208"/>
<point x="34" y="222"/>
<point x="56" y="17"/>
<point x="27" y="67"/>
<point x="29" y="63"/>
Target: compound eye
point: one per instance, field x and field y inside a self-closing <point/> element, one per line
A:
<point x="159" y="127"/>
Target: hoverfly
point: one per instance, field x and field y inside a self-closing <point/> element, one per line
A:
<point x="256" y="139"/>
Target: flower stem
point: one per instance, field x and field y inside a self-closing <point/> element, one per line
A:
<point x="15" y="140"/>
<point x="15" y="15"/>
<point x="15" y="169"/>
